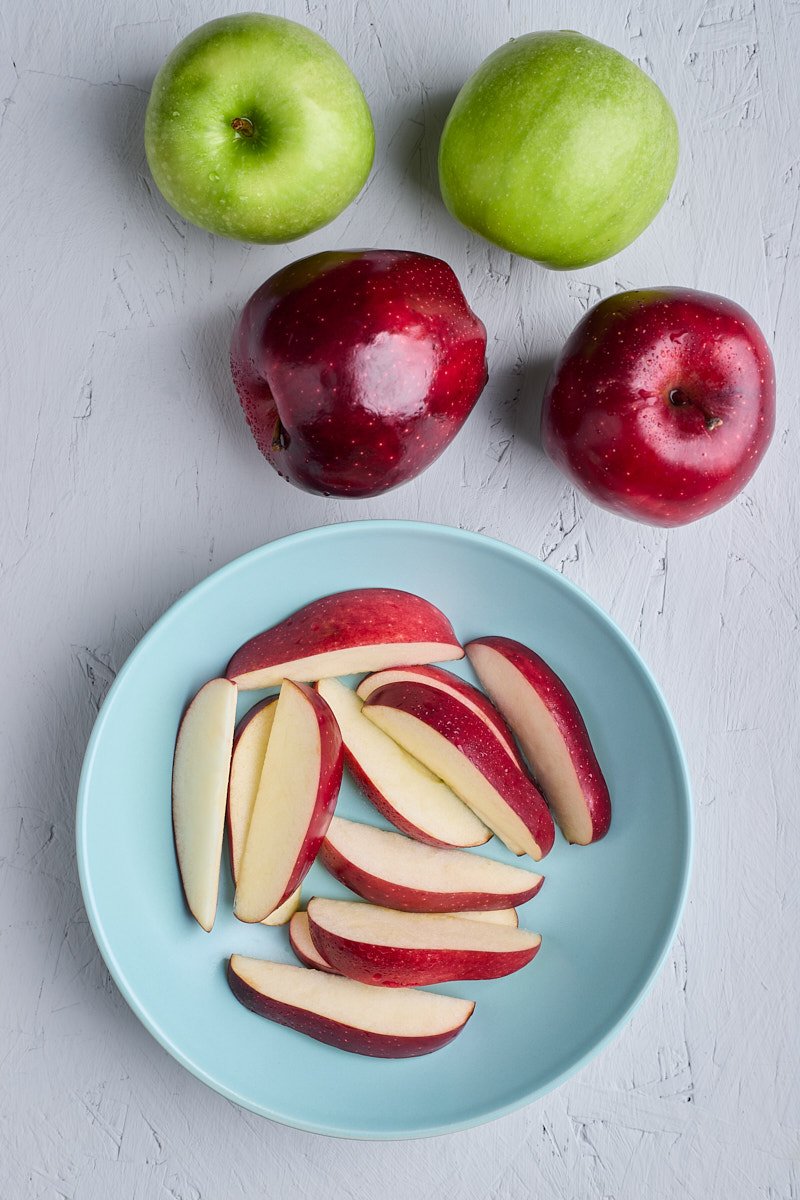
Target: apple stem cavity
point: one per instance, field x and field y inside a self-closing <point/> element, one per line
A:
<point x="679" y="399"/>
<point x="243" y="126"/>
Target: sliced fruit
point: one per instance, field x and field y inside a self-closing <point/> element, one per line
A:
<point x="348" y="632"/>
<point x="199" y="791"/>
<point x="544" y="716"/>
<point x="449" y="683"/>
<point x="249" y="751"/>
<point x="401" y="949"/>
<point x="394" y="871"/>
<point x="452" y="741"/>
<point x="296" y="796"/>
<point x="284" y="912"/>
<point x="363" y="1020"/>
<point x="401" y="789"/>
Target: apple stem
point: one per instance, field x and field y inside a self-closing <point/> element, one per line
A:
<point x="243" y="126"/>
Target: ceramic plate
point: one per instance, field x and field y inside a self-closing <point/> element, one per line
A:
<point x="607" y="913"/>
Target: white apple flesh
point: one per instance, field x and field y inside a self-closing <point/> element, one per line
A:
<point x="348" y="1015"/>
<point x="199" y="791"/>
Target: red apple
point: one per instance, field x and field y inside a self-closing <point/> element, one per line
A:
<point x="346" y="1014"/>
<point x="295" y="801"/>
<point x="356" y="368"/>
<point x="359" y="630"/>
<point x="662" y="404"/>
<point x="543" y="714"/>
<point x="388" y="948"/>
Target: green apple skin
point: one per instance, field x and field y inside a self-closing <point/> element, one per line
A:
<point x="558" y="148"/>
<point x="305" y="141"/>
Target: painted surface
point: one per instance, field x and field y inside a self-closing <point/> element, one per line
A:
<point x="128" y="474"/>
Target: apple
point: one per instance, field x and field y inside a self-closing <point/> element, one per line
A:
<point x="558" y="148"/>
<point x="453" y="686"/>
<point x="396" y="872"/>
<point x="402" y="790"/>
<point x="348" y="1015"/>
<point x="348" y="632"/>
<point x="283" y="914"/>
<point x="257" y="129"/>
<point x="544" y="716"/>
<point x="662" y="404"/>
<point x="247" y="762"/>
<point x="199" y="792"/>
<point x="454" y="743"/>
<point x="357" y="368"/>
<point x="296" y="797"/>
<point x="384" y="947"/>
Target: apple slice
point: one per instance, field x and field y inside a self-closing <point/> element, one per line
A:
<point x="541" y="711"/>
<point x="363" y="1020"/>
<point x="348" y="632"/>
<point x="199" y="790"/>
<point x="445" y="735"/>
<point x="447" y="682"/>
<point x="402" y="789"/>
<point x="389" y="869"/>
<point x="249" y="751"/>
<point x="400" y="949"/>
<point x="284" y="912"/>
<point x="306" y="951"/>
<point x="296" y="796"/>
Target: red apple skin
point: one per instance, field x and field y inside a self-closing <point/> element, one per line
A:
<point x="240" y="728"/>
<point x="335" y="1033"/>
<point x="438" y="677"/>
<point x="355" y="369"/>
<point x="467" y="732"/>
<point x="400" y="966"/>
<point x="558" y="700"/>
<point x="392" y="895"/>
<point x="342" y="621"/>
<point x="662" y="404"/>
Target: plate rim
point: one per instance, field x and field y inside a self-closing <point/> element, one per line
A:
<point x="525" y="1096"/>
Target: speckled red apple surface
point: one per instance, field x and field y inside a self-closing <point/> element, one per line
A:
<point x="662" y="404"/>
<point x="355" y="369"/>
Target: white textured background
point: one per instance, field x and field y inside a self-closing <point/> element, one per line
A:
<point x="128" y="474"/>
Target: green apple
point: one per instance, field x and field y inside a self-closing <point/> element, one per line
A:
<point x="257" y="129"/>
<point x="558" y="148"/>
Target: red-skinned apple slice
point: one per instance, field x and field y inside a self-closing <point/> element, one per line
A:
<point x="396" y="872"/>
<point x="343" y="634"/>
<point x="388" y="948"/>
<point x="451" y="740"/>
<point x="199" y="792"/>
<point x="364" y="1020"/>
<point x="296" y="796"/>
<point x="447" y="682"/>
<point x="401" y="789"/>
<point x="544" y="716"/>
<point x="306" y="951"/>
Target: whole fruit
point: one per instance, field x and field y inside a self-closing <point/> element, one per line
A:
<point x="355" y="369"/>
<point x="662" y="404"/>
<point x="257" y="129"/>
<point x="558" y="148"/>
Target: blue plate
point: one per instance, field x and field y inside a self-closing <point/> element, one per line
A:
<point x="607" y="912"/>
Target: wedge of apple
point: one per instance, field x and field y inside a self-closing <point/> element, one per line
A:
<point x="247" y="762"/>
<point x="349" y="632"/>
<point x="400" y="949"/>
<point x="199" y="791"/>
<point x="544" y="716"/>
<point x="296" y="796"/>
<point x="449" y="683"/>
<point x="306" y="951"/>
<point x="453" y="742"/>
<point x="401" y="789"/>
<point x="396" y="872"/>
<point x="363" y="1020"/>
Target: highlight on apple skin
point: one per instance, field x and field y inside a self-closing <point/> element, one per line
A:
<point x="387" y="948"/>
<point x="296" y="797"/>
<point x="452" y="741"/>
<point x="349" y="632"/>
<point x="545" y="718"/>
<point x="378" y="1022"/>
<point x="199" y="794"/>
<point x="402" y="790"/>
<point x="396" y="872"/>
